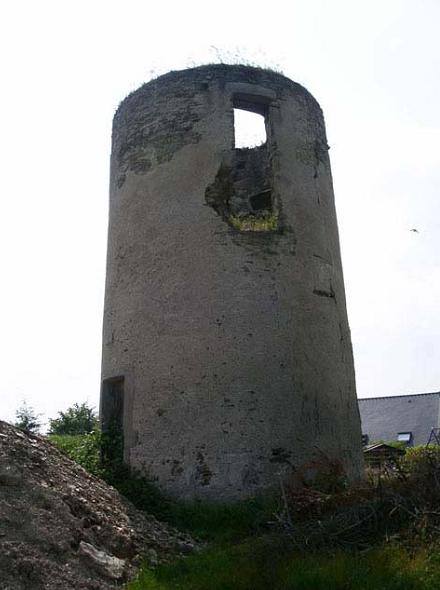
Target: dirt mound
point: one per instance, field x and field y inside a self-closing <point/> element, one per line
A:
<point x="62" y="528"/>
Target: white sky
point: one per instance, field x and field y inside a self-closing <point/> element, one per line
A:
<point x="374" y="67"/>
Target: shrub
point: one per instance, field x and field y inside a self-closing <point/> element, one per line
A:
<point x="403" y="502"/>
<point x="421" y="461"/>
<point x="100" y="454"/>
<point x="78" y="419"/>
<point x="84" y="449"/>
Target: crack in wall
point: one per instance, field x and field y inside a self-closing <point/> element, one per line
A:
<point x="324" y="293"/>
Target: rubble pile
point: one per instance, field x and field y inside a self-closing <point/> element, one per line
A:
<point x="63" y="528"/>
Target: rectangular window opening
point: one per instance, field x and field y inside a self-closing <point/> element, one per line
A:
<point x="249" y="129"/>
<point x="112" y="405"/>
<point x="405" y="437"/>
<point x="250" y="121"/>
<point x="112" y="414"/>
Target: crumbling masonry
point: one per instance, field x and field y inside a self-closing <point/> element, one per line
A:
<point x="227" y="360"/>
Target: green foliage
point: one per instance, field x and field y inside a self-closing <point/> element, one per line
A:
<point x="243" y="556"/>
<point x="78" y="419"/>
<point x="27" y="419"/>
<point x="100" y="453"/>
<point x="264" y="564"/>
<point x="224" y="523"/>
<point x="140" y="491"/>
<point x="397" y="444"/>
<point x="401" y="501"/>
<point x="267" y="223"/>
<point x="84" y="449"/>
<point x="421" y="460"/>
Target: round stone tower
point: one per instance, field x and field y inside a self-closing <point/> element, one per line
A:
<point x="227" y="359"/>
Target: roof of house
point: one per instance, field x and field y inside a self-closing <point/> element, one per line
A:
<point x="384" y="418"/>
<point x="384" y="447"/>
<point x="361" y="399"/>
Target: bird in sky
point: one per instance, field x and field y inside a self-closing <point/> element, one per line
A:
<point x="414" y="230"/>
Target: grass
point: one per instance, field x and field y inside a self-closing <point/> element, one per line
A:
<point x="222" y="523"/>
<point x="250" y="223"/>
<point x="82" y="448"/>
<point x="245" y="553"/>
<point x="335" y="540"/>
<point x="262" y="565"/>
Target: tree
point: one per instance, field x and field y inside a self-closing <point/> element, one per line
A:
<point x="27" y="419"/>
<point x="78" y="419"/>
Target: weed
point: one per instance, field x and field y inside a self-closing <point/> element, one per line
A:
<point x="100" y="455"/>
<point x="317" y="548"/>
<point x="262" y="564"/>
<point x="251" y="223"/>
<point x="85" y="449"/>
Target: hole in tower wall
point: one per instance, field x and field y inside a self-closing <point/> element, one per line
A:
<point x="242" y="192"/>
<point x="249" y="129"/>
<point x="261" y="201"/>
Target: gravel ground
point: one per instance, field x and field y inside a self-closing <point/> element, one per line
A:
<point x="62" y="528"/>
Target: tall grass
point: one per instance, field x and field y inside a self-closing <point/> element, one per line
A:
<point x="245" y="553"/>
<point x="256" y="565"/>
<point x="82" y="448"/>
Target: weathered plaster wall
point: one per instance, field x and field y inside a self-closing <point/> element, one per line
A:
<point x="234" y="345"/>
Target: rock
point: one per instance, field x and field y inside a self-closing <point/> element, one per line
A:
<point x="109" y="565"/>
<point x="152" y="557"/>
<point x="185" y="547"/>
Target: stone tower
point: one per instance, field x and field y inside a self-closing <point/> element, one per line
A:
<point x="227" y="359"/>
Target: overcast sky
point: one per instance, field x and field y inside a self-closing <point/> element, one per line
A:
<point x="374" y="67"/>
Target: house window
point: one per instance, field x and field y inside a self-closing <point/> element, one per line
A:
<point x="405" y="437"/>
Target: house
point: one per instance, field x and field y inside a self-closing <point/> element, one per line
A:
<point x="405" y="418"/>
<point x="381" y="455"/>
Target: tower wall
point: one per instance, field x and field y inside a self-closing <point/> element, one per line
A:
<point x="225" y="326"/>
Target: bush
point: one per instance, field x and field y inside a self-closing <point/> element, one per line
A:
<point x="100" y="453"/>
<point x="78" y="419"/>
<point x="421" y="461"/>
<point x="84" y="449"/>
<point x="399" y="503"/>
